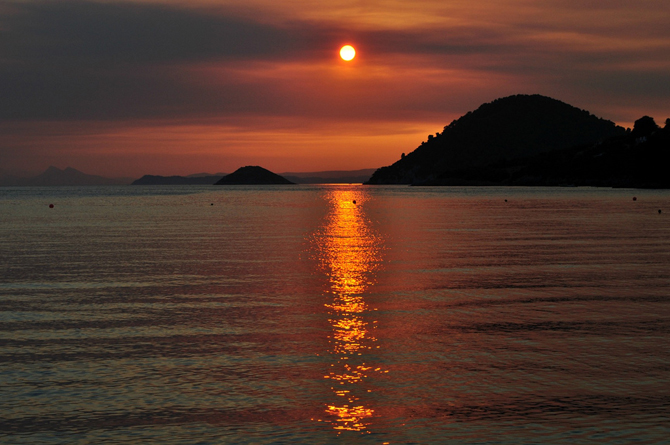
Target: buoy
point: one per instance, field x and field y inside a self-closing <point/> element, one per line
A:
<point x="634" y="198"/>
<point x="659" y="211"/>
<point x="354" y="201"/>
<point x="212" y="204"/>
<point x="505" y="200"/>
<point x="51" y="206"/>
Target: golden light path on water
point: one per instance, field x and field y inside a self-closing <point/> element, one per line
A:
<point x="350" y="252"/>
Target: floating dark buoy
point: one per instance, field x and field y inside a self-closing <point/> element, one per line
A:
<point x="51" y="206"/>
<point x="505" y="200"/>
<point x="634" y="198"/>
<point x="659" y="211"/>
<point x="212" y="204"/>
<point x="354" y="201"/>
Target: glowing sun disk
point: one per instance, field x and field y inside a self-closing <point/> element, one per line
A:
<point x="347" y="52"/>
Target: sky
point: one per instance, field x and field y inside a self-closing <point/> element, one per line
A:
<point x="123" y="89"/>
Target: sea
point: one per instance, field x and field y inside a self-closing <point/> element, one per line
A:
<point x="334" y="314"/>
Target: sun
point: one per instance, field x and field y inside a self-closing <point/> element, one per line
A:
<point x="347" y="52"/>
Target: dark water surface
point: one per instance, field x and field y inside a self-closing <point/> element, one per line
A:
<point x="291" y="314"/>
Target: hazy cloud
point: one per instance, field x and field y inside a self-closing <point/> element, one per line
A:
<point x="89" y="60"/>
<point x="130" y="33"/>
<point x="249" y="62"/>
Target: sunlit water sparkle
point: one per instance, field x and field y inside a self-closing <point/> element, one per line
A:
<point x="292" y="314"/>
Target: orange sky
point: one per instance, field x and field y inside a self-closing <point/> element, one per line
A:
<point x="175" y="87"/>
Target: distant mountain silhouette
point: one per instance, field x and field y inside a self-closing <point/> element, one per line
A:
<point x="508" y="128"/>
<point x="252" y="175"/>
<point x="330" y="177"/>
<point x="177" y="180"/>
<point x="56" y="177"/>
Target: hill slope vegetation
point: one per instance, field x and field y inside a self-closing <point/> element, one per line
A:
<point x="508" y="128"/>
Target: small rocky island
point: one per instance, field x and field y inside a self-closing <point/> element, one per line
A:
<point x="253" y="175"/>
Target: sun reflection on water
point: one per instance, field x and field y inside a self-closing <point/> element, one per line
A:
<point x="350" y="252"/>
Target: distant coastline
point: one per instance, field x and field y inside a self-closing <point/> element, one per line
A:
<point x="54" y="176"/>
<point x="522" y="140"/>
<point x="177" y="180"/>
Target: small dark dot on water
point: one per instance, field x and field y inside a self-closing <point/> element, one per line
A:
<point x="51" y="206"/>
<point x="659" y="211"/>
<point x="634" y="198"/>
<point x="505" y="200"/>
<point x="212" y="204"/>
<point x="354" y="201"/>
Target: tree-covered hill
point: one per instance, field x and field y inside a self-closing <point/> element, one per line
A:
<point x="637" y="159"/>
<point x="508" y="128"/>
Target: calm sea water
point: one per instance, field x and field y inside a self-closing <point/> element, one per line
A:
<point x="260" y="315"/>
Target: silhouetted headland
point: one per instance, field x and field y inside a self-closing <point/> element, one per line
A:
<point x="253" y="175"/>
<point x="535" y="140"/>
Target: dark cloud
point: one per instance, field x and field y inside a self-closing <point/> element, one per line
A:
<point x="127" y="33"/>
<point x="78" y="60"/>
<point x="644" y="85"/>
<point x="83" y="60"/>
<point x="86" y="60"/>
